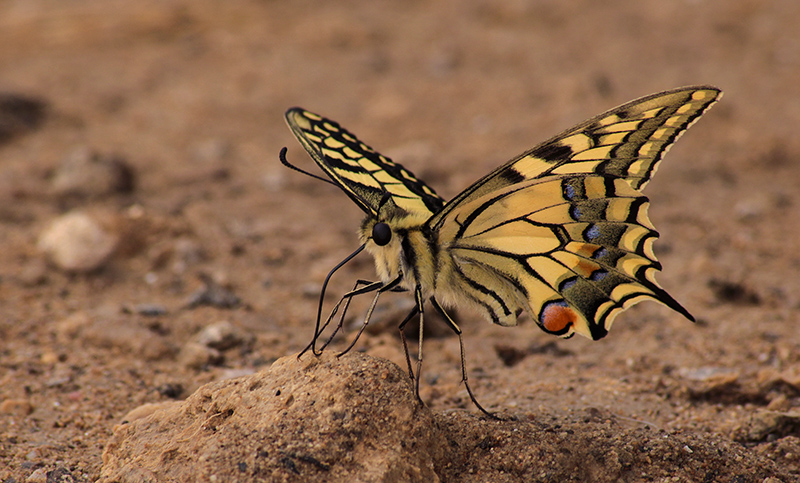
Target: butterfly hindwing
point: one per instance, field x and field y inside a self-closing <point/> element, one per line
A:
<point x="360" y="171"/>
<point x="562" y="230"/>
<point x="572" y="251"/>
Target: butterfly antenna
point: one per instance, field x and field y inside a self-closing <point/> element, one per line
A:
<point x="285" y="162"/>
<point x="313" y="343"/>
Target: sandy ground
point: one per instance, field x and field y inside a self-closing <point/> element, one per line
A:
<point x="159" y="124"/>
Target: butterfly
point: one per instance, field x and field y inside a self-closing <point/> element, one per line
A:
<point x="560" y="231"/>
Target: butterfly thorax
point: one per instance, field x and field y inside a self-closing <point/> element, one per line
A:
<point x="409" y="254"/>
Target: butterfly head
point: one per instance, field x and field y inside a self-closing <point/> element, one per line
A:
<point x="381" y="234"/>
<point x="389" y="239"/>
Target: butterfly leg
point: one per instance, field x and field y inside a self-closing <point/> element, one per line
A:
<point x="464" y="378"/>
<point x="348" y="297"/>
<point x="381" y="288"/>
<point x="418" y="298"/>
<point x="317" y="330"/>
<point x="401" y="327"/>
<point x="418" y="309"/>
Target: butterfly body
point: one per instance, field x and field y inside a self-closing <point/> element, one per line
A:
<point x="408" y="254"/>
<point x="560" y="232"/>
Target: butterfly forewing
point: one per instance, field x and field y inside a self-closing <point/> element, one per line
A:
<point x="362" y="173"/>
<point x="625" y="142"/>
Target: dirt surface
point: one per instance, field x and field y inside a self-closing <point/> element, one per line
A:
<point x="356" y="418"/>
<point x="152" y="242"/>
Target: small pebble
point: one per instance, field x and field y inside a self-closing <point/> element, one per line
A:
<point x="60" y="475"/>
<point x="150" y="310"/>
<point x="75" y="242"/>
<point x="17" y="407"/>
<point x="172" y="390"/>
<point x="33" y="273"/>
<point x="213" y="294"/>
<point x="49" y="358"/>
<point x="38" y="476"/>
<point x="197" y="356"/>
<point x="86" y="173"/>
<point x="20" y="114"/>
<point x="221" y="336"/>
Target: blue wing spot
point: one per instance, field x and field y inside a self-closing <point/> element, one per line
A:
<point x="569" y="192"/>
<point x="575" y="212"/>
<point x="598" y="254"/>
<point x="567" y="284"/>
<point x="598" y="275"/>
<point x="592" y="233"/>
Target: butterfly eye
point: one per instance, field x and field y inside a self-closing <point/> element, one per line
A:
<point x="381" y="234"/>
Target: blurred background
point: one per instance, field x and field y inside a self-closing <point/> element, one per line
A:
<point x="160" y="122"/>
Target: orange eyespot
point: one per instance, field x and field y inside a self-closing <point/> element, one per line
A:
<point x="557" y="317"/>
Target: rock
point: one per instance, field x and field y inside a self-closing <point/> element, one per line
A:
<point x="198" y="356"/>
<point x="149" y="310"/>
<point x="60" y="475"/>
<point x="76" y="242"/>
<point x="17" y="407"/>
<point x="38" y="476"/>
<point x="109" y="330"/>
<point x="222" y="336"/>
<point x="212" y="294"/>
<point x="765" y="425"/>
<point x="172" y="390"/>
<point x="85" y="173"/>
<point x="20" y="115"/>
<point x="33" y="273"/>
<point x="207" y="346"/>
<point x="353" y="418"/>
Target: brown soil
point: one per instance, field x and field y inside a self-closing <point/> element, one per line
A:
<point x="162" y="120"/>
